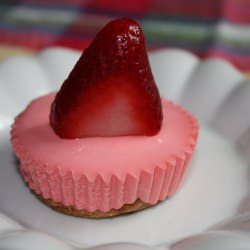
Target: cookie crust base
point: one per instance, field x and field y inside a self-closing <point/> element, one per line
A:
<point x="70" y="210"/>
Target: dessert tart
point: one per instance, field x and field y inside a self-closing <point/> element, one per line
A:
<point x="106" y="143"/>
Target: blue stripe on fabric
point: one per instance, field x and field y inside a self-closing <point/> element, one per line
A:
<point x="30" y="28"/>
<point x="45" y="30"/>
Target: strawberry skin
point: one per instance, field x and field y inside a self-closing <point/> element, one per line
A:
<point x="111" y="90"/>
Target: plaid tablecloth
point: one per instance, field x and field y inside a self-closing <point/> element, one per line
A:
<point x="208" y="28"/>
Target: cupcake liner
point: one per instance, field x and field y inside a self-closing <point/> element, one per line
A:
<point x="101" y="194"/>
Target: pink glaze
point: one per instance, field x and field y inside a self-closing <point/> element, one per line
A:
<point x="103" y="173"/>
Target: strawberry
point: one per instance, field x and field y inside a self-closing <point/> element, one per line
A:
<point x="111" y="90"/>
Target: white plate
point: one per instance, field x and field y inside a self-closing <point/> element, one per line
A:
<point x="215" y="189"/>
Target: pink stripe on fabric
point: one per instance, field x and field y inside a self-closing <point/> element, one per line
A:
<point x="27" y="39"/>
<point x="242" y="62"/>
<point x="236" y="11"/>
<point x="142" y="6"/>
<point x="39" y="41"/>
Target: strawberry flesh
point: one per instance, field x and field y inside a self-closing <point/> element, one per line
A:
<point x="111" y="90"/>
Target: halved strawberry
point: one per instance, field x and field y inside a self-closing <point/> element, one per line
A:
<point x="111" y="89"/>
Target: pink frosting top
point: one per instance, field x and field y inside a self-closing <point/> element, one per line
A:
<point x="105" y="157"/>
